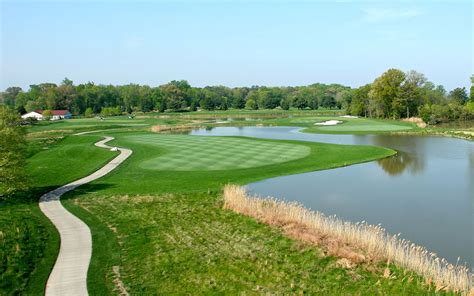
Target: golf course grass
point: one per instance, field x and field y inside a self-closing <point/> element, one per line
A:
<point x="157" y="221"/>
<point x="166" y="231"/>
<point x="187" y="244"/>
<point x="29" y="243"/>
<point x="353" y="125"/>
<point x="193" y="153"/>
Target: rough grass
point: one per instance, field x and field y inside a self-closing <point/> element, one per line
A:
<point x="357" y="242"/>
<point x="28" y="248"/>
<point x="188" y="244"/>
<point x="29" y="243"/>
<point x="190" y="153"/>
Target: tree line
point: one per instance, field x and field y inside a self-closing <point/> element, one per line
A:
<point x="395" y="94"/>
<point x="90" y="98"/>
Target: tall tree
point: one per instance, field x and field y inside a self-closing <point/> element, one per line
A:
<point x="385" y="89"/>
<point x="360" y="101"/>
<point x="12" y="153"/>
<point x="459" y="95"/>
<point x="10" y="94"/>
<point x="472" y="89"/>
<point x="174" y="96"/>
<point x="406" y="104"/>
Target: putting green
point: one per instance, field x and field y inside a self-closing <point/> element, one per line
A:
<point x="356" y="125"/>
<point x="365" y="127"/>
<point x="197" y="153"/>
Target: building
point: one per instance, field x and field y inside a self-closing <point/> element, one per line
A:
<point x="33" y="114"/>
<point x="55" y="115"/>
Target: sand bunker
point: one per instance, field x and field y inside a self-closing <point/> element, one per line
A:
<point x="349" y="116"/>
<point x="328" y="122"/>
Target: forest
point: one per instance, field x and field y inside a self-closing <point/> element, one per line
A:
<point x="395" y="94"/>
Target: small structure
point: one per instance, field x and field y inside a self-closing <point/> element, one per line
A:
<point x="55" y="115"/>
<point x="33" y="114"/>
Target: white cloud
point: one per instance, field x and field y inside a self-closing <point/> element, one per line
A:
<point x="386" y="14"/>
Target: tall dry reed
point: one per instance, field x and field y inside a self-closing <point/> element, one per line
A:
<point x="374" y="240"/>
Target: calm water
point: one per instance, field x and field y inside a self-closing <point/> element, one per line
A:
<point x="426" y="192"/>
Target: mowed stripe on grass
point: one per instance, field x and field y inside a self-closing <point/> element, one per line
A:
<point x="195" y="153"/>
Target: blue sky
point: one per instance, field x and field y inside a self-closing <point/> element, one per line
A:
<point x="234" y="43"/>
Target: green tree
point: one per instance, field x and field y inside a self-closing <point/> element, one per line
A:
<point x="300" y="102"/>
<point x="175" y="96"/>
<point x="32" y="106"/>
<point x="89" y="112"/>
<point x="47" y="114"/>
<point x="10" y="95"/>
<point x="410" y="98"/>
<point x="12" y="153"/>
<point x="360" y="101"/>
<point x="328" y="101"/>
<point x="384" y="90"/>
<point x="162" y="106"/>
<point x="250" y="104"/>
<point x="285" y="104"/>
<point x="193" y="106"/>
<point x="472" y="88"/>
<point x="469" y="107"/>
<point x="459" y="95"/>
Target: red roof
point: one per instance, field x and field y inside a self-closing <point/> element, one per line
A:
<point x="54" y="112"/>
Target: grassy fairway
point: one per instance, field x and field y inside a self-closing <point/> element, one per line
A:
<point x="136" y="177"/>
<point x="170" y="234"/>
<point x="190" y="153"/>
<point x="352" y="125"/>
<point x="28" y="241"/>
<point x="187" y="244"/>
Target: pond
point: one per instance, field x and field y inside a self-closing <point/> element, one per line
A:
<point x="425" y="192"/>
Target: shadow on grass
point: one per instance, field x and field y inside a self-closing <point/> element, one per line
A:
<point x="33" y="195"/>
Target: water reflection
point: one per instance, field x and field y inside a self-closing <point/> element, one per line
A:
<point x="424" y="192"/>
<point x="397" y="164"/>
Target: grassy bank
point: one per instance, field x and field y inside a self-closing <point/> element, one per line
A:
<point x="354" y="242"/>
<point x="187" y="244"/>
<point x="29" y="243"/>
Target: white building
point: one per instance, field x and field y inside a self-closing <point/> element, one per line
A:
<point x="33" y="114"/>
<point x="55" y="115"/>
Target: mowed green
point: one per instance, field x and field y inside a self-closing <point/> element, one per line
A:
<point x="358" y="126"/>
<point x="196" y="153"/>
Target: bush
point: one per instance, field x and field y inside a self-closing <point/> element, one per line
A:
<point x="110" y="111"/>
<point x="88" y="113"/>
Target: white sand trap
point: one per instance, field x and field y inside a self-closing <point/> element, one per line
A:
<point x="349" y="116"/>
<point x="328" y="122"/>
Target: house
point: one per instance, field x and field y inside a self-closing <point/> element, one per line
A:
<point x="33" y="114"/>
<point x="55" y="114"/>
<point x="60" y="114"/>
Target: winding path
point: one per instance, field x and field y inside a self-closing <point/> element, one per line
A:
<point x="69" y="274"/>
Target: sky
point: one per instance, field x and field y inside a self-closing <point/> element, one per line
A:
<point x="234" y="43"/>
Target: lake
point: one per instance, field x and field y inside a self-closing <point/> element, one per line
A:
<point x="425" y="192"/>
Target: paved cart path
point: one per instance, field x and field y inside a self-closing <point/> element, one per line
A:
<point x="69" y="274"/>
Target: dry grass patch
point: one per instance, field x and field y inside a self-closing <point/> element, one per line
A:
<point x="186" y="244"/>
<point x="356" y="242"/>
